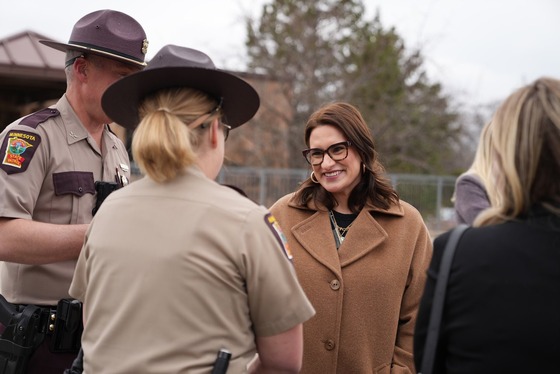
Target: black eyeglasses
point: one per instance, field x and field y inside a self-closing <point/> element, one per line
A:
<point x="217" y="108"/>
<point x="337" y="151"/>
<point x="227" y="128"/>
<point x="199" y="122"/>
<point x="72" y="60"/>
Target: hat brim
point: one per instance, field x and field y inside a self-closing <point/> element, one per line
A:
<point x="75" y="47"/>
<point x="121" y="100"/>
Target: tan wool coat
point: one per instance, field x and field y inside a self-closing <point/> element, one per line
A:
<point x="366" y="293"/>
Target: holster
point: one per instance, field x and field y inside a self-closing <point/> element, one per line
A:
<point x="24" y="327"/>
<point x="102" y="190"/>
<point x="22" y="334"/>
<point x="68" y="327"/>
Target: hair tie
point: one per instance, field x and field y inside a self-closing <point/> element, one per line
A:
<point x="163" y="109"/>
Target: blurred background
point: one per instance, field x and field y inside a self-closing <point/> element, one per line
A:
<point x="426" y="75"/>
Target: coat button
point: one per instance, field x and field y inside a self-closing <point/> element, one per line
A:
<point x="335" y="284"/>
<point x="80" y="189"/>
<point x="329" y="345"/>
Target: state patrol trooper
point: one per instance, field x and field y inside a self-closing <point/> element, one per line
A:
<point x="53" y="162"/>
<point x="176" y="267"/>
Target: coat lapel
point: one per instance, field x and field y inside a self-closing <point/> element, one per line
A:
<point x="364" y="235"/>
<point x="318" y="242"/>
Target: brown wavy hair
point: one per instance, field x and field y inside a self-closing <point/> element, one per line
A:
<point x="374" y="184"/>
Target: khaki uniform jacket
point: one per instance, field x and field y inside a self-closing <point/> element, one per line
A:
<point x="48" y="168"/>
<point x="171" y="273"/>
<point x="366" y="294"/>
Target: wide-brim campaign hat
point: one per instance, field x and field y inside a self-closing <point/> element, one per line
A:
<point x="175" y="67"/>
<point x="107" y="33"/>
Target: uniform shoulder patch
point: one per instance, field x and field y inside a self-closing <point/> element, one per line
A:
<point x="17" y="150"/>
<point x="274" y="226"/>
<point x="33" y="120"/>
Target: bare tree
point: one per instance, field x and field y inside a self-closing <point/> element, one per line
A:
<point x="324" y="50"/>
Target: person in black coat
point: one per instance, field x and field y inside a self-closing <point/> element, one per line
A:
<point x="503" y="294"/>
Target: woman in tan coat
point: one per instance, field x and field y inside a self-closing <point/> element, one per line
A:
<point x="360" y="253"/>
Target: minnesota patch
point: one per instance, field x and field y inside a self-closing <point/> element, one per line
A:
<point x="17" y="150"/>
<point x="277" y="231"/>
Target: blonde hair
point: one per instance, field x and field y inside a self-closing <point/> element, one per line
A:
<point x="526" y="153"/>
<point x="482" y="164"/>
<point x="163" y="145"/>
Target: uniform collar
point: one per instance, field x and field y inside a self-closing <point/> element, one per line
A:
<point x="75" y="130"/>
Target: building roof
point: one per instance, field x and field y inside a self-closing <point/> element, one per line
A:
<point x="29" y="70"/>
<point x="21" y="55"/>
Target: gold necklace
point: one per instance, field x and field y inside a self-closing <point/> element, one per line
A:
<point x="340" y="231"/>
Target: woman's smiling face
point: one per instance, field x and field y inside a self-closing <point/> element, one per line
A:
<point x="337" y="177"/>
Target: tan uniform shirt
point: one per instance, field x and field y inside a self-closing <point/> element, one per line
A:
<point x="171" y="273"/>
<point x="48" y="167"/>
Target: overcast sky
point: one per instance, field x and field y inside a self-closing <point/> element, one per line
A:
<point x="480" y="50"/>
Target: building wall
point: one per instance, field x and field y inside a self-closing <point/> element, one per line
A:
<point x="32" y="78"/>
<point x="263" y="141"/>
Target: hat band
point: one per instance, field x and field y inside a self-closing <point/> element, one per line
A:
<point x="106" y="51"/>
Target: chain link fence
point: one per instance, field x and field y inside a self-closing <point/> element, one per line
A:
<point x="430" y="194"/>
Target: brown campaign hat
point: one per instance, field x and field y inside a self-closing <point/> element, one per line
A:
<point x="174" y="67"/>
<point x="108" y="33"/>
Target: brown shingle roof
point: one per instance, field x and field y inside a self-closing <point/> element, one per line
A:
<point x="21" y="55"/>
<point x="31" y="75"/>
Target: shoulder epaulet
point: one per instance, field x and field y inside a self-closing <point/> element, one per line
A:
<point x="33" y="120"/>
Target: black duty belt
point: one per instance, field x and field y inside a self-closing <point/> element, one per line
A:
<point x="62" y="321"/>
<point x="47" y="319"/>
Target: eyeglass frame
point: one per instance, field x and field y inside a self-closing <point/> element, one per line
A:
<point x="73" y="59"/>
<point x="347" y="144"/>
<point x="227" y="127"/>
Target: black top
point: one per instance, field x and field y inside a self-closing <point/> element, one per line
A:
<point x="502" y="307"/>
<point x="344" y="219"/>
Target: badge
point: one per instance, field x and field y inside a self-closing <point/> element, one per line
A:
<point x="124" y="167"/>
<point x="121" y="179"/>
<point x="274" y="226"/>
<point x="17" y="150"/>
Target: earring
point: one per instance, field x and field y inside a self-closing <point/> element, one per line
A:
<point x="363" y="168"/>
<point x="313" y="178"/>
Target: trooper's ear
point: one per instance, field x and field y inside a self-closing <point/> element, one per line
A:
<point x="80" y="67"/>
<point x="214" y="132"/>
